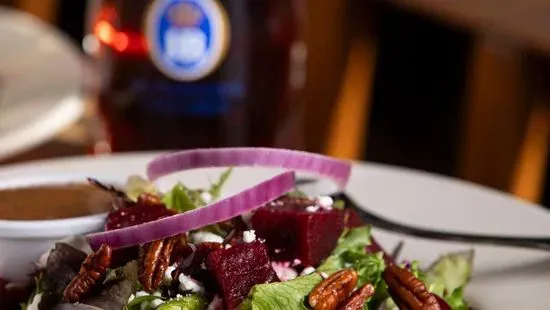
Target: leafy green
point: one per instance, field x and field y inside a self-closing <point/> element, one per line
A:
<point x="62" y="265"/>
<point x="136" y="303"/>
<point x="297" y="193"/>
<point x="349" y="253"/>
<point x="449" y="275"/>
<point x="115" y="293"/>
<point x="416" y="271"/>
<point x="281" y="295"/>
<point x="181" y="199"/>
<point x="354" y="238"/>
<point x="216" y="188"/>
<point x="339" y="204"/>
<point x="191" y="302"/>
<point x="456" y="300"/>
<point x="136" y="185"/>
<point x="38" y="284"/>
<point x="446" y="278"/>
<point x="450" y="271"/>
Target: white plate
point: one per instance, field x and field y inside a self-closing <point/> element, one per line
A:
<point x="40" y="82"/>
<point x="504" y="278"/>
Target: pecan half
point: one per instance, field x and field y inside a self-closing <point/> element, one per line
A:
<point x="407" y="291"/>
<point x="328" y="294"/>
<point x="357" y="299"/>
<point x="94" y="267"/>
<point x="154" y="258"/>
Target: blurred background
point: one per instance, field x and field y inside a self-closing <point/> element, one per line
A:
<point x="459" y="88"/>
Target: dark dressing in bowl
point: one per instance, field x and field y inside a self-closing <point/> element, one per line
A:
<point x="48" y="202"/>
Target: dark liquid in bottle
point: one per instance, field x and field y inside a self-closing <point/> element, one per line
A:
<point x="251" y="98"/>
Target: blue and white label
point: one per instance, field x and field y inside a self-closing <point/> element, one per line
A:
<point x="187" y="39"/>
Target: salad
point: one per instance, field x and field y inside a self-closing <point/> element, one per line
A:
<point x="267" y="247"/>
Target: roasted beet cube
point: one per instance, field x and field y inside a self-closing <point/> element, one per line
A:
<point x="353" y="219"/>
<point x="238" y="268"/>
<point x="297" y="228"/>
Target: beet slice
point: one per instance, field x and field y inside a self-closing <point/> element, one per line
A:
<point x="238" y="268"/>
<point x="292" y="232"/>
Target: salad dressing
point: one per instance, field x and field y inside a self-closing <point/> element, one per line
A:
<point x="50" y="202"/>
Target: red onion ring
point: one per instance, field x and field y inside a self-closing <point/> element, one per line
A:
<point x="245" y="201"/>
<point x="332" y="168"/>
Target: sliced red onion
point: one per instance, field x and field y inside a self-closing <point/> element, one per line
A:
<point x="222" y="210"/>
<point x="332" y="168"/>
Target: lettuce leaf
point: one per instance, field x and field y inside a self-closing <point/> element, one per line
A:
<point x="353" y="238"/>
<point x="136" y="185"/>
<point x="281" y="295"/>
<point x="456" y="300"/>
<point x="191" y="302"/>
<point x="349" y="252"/>
<point x="450" y="272"/>
<point x="446" y="277"/>
<point x="216" y="188"/>
<point x="116" y="292"/>
<point x="449" y="275"/>
<point x="136" y="303"/>
<point x="181" y="199"/>
<point x="62" y="266"/>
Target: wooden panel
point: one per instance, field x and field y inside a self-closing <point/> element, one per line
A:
<point x="347" y="134"/>
<point x="327" y="50"/>
<point x="529" y="174"/>
<point x="495" y="115"/>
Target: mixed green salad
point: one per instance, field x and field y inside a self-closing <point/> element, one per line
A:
<point x="241" y="263"/>
<point x="268" y="247"/>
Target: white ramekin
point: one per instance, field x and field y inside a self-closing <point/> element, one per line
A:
<point x="22" y="242"/>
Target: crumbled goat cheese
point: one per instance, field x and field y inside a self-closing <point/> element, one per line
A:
<point x="284" y="271"/>
<point x="188" y="284"/>
<point x="325" y="202"/>
<point x="307" y="270"/>
<point x="141" y="294"/>
<point x="296" y="262"/>
<point x="249" y="236"/>
<point x="206" y="197"/>
<point x="205" y="236"/>
<point x="155" y="303"/>
<point x="168" y="274"/>
<point x="312" y="209"/>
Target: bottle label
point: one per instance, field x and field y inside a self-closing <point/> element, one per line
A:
<point x="187" y="39"/>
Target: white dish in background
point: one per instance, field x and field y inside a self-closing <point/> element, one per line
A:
<point x="41" y="77"/>
<point x="504" y="278"/>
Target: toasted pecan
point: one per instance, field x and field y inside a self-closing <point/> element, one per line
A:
<point x="94" y="267"/>
<point x="357" y="299"/>
<point x="407" y="291"/>
<point x="154" y="258"/>
<point x="334" y="290"/>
